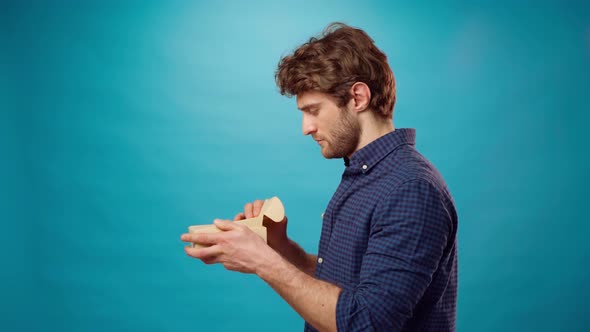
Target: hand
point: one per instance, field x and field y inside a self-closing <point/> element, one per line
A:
<point x="237" y="247"/>
<point x="276" y="232"/>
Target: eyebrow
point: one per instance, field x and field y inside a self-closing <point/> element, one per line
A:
<point x="308" y="106"/>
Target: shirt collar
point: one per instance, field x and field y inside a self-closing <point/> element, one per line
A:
<point x="370" y="155"/>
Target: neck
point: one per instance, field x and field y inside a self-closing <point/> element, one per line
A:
<point x="373" y="129"/>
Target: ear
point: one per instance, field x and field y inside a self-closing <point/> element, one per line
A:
<point x="361" y="96"/>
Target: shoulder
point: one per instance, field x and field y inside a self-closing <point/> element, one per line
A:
<point x="411" y="182"/>
<point x="407" y="168"/>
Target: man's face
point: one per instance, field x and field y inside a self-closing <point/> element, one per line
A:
<point x="335" y="129"/>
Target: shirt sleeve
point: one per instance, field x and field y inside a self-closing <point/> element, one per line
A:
<point x="408" y="236"/>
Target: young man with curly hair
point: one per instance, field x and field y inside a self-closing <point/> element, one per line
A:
<point x="387" y="258"/>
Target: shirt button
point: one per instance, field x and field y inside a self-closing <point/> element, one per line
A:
<point x="365" y="166"/>
<point x="320" y="260"/>
<point x="322" y="215"/>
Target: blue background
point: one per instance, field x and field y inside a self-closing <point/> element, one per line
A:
<point x="122" y="123"/>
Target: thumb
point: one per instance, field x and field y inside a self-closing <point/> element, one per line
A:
<point x="224" y="225"/>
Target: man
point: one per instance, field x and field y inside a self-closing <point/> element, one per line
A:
<point x="387" y="257"/>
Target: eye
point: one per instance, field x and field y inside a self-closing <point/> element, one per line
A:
<point x="314" y="111"/>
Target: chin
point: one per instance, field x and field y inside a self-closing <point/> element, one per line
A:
<point x="328" y="155"/>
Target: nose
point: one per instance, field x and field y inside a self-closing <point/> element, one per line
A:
<point x="308" y="125"/>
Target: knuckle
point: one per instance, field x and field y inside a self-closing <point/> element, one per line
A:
<point x="197" y="254"/>
<point x="224" y="240"/>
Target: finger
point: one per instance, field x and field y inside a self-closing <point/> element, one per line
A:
<point x="240" y="216"/>
<point x="205" y="239"/>
<point x="207" y="254"/>
<point x="257" y="207"/>
<point x="224" y="225"/>
<point x="248" y="210"/>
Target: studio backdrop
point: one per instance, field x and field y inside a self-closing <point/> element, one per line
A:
<point x="124" y="122"/>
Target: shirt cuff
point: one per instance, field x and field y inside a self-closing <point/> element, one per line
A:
<point x="352" y="315"/>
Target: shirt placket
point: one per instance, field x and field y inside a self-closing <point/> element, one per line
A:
<point x="329" y="219"/>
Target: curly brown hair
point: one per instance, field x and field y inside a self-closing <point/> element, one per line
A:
<point x="333" y="63"/>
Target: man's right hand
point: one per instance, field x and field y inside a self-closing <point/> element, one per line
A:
<point x="276" y="232"/>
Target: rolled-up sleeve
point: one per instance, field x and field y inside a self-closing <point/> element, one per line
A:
<point x="408" y="235"/>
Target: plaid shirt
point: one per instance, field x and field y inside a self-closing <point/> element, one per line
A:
<point x="389" y="241"/>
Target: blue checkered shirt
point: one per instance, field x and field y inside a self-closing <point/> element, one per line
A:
<point x="389" y="240"/>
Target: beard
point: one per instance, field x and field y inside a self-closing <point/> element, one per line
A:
<point x="344" y="137"/>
